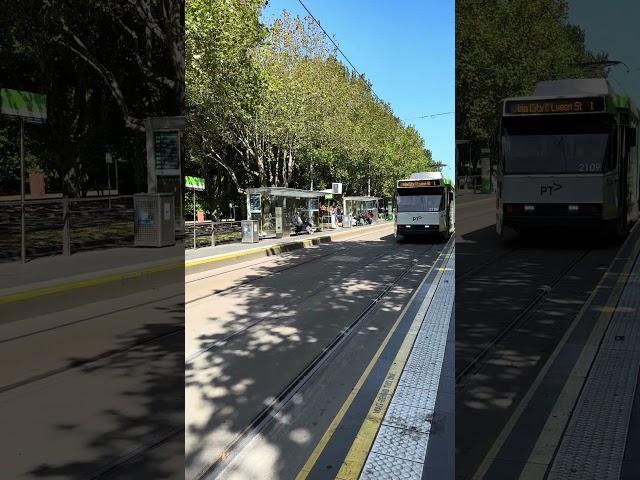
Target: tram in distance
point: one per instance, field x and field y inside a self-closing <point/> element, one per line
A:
<point x="425" y="205"/>
<point x="568" y="158"/>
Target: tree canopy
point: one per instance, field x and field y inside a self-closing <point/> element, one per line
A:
<point x="273" y="106"/>
<point x="503" y="48"/>
<point x="104" y="67"/>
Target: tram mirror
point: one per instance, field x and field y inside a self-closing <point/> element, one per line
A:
<point x="631" y="136"/>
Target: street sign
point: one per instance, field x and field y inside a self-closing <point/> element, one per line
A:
<point x="108" y="158"/>
<point x="336" y="188"/>
<point x="194" y="183"/>
<point x="28" y="106"/>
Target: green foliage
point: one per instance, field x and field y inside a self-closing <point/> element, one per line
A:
<point x="274" y="107"/>
<point x="104" y="67"/>
<point x="503" y="48"/>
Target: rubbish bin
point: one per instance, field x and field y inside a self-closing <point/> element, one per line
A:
<point x="154" y="219"/>
<point x="250" y="231"/>
<point x="346" y="221"/>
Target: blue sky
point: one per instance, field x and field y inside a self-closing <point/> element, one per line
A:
<point x="612" y="27"/>
<point x="406" y="50"/>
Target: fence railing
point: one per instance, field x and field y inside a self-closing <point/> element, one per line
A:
<point x="469" y="182"/>
<point x="210" y="233"/>
<point x="65" y="225"/>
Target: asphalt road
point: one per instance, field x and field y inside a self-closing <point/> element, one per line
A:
<point x="515" y="298"/>
<point x="253" y="326"/>
<point x="91" y="382"/>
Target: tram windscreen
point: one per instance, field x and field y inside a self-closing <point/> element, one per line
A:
<point x="530" y="147"/>
<point x="420" y="200"/>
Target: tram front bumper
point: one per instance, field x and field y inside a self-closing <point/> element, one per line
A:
<point x="552" y="215"/>
<point x="418" y="229"/>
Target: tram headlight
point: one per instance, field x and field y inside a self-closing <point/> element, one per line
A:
<point x="529" y="208"/>
<point x="573" y="208"/>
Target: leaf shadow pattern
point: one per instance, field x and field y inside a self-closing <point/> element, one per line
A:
<point x="129" y="402"/>
<point x="510" y="316"/>
<point x="251" y="340"/>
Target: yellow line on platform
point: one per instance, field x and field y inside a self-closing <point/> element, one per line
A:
<point x="357" y="454"/>
<point x="90" y="282"/>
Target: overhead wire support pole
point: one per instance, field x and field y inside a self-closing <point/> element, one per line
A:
<point x="23" y="247"/>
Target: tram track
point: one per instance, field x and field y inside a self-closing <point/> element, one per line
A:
<point x="269" y="413"/>
<point x="323" y="285"/>
<point x="542" y="293"/>
<point x="477" y="268"/>
<point x="78" y="363"/>
<point x="270" y="274"/>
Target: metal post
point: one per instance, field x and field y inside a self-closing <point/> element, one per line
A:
<point x="194" y="218"/>
<point x="66" y="231"/>
<point x="117" y="191"/>
<point x="109" y="184"/>
<point x="213" y="233"/>
<point x="23" y="248"/>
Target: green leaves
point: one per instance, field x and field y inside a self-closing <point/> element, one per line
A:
<point x="503" y="48"/>
<point x="274" y="106"/>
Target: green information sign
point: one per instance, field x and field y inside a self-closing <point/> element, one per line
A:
<point x="194" y="183"/>
<point x="29" y="106"/>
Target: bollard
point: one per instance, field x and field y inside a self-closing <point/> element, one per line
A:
<point x="66" y="231"/>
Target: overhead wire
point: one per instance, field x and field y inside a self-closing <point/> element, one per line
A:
<point x="336" y="45"/>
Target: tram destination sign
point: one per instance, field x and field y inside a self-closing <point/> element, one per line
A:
<point x="418" y="183"/>
<point x="555" y="106"/>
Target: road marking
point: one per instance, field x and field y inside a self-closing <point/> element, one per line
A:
<point x="278" y="247"/>
<point x="359" y="451"/>
<point x="90" y="282"/>
<point x="506" y="431"/>
<point x="320" y="446"/>
<point x="551" y="434"/>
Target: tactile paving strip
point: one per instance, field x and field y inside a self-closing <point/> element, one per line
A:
<point x="593" y="445"/>
<point x="400" y="447"/>
<point x="386" y="467"/>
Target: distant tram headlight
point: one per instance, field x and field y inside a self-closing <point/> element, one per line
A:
<point x="573" y="208"/>
<point x="529" y="208"/>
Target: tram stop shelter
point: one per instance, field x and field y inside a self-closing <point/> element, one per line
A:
<point x="358" y="206"/>
<point x="275" y="208"/>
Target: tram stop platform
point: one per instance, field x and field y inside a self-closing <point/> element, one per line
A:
<point x="273" y="246"/>
<point x="581" y="417"/>
<point x="394" y="419"/>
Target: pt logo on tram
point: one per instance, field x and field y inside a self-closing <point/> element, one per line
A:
<point x="549" y="188"/>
